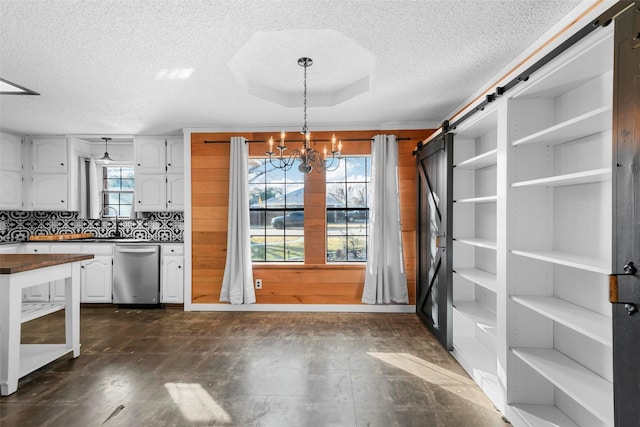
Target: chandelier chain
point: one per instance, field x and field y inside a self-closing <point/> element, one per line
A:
<point x="305" y="129"/>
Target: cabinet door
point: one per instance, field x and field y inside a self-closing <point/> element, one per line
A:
<point x="96" y="280"/>
<point x="49" y="155"/>
<point x="151" y="193"/>
<point x="175" y="192"/>
<point x="10" y="153"/>
<point x="175" y="154"/>
<point x="56" y="291"/>
<point x="172" y="279"/>
<point x="49" y="192"/>
<point x="38" y="293"/>
<point x="150" y="154"/>
<point x="10" y="190"/>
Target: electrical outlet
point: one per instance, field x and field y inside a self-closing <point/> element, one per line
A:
<point x="258" y="283"/>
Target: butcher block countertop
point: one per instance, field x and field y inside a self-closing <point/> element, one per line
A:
<point x="15" y="263"/>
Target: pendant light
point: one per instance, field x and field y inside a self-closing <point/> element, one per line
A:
<point x="105" y="159"/>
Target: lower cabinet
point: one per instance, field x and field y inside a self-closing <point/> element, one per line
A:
<point x="96" y="277"/>
<point x="172" y="274"/>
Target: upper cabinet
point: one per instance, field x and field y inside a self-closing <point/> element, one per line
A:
<point x="175" y="154"/>
<point x="159" y="173"/>
<point x="11" y="171"/>
<point x="49" y="189"/>
<point x="11" y="156"/>
<point x="150" y="152"/>
<point x="49" y="155"/>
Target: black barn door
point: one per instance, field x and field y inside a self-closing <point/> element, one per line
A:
<point x="433" y="294"/>
<point x="625" y="282"/>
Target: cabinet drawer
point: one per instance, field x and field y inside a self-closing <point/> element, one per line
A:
<point x="177" y="249"/>
<point x="98" y="249"/>
<point x="65" y="248"/>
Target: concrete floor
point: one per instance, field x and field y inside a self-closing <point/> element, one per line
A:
<point x="173" y="368"/>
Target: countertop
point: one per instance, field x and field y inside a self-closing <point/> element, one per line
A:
<point x="15" y="263"/>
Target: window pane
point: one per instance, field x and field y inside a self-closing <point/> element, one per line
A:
<point x="114" y="199"/>
<point x="356" y="169"/>
<point x="348" y="228"/>
<point x="336" y="195"/>
<point x="125" y="211"/>
<point x="126" y="198"/>
<point x="357" y="195"/>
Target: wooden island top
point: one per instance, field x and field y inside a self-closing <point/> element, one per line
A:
<point x="16" y="263"/>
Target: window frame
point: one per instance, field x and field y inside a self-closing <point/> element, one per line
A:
<point x="106" y="191"/>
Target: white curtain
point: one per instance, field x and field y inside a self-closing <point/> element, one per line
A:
<point x="385" y="280"/>
<point x="94" y="193"/>
<point x="237" y="282"/>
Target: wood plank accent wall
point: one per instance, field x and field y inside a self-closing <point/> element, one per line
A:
<point x="313" y="282"/>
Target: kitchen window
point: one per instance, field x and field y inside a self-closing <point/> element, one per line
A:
<point x="347" y="198"/>
<point x="118" y="185"/>
<point x="276" y="212"/>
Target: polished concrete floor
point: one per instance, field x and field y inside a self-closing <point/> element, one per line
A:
<point x="173" y="368"/>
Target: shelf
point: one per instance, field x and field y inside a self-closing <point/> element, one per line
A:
<point x="35" y="356"/>
<point x="479" y="277"/>
<point x="571" y="70"/>
<point x="489" y="158"/>
<point x="586" y="124"/>
<point x="480" y="243"/>
<point x="483" y="318"/>
<point x="483" y="199"/>
<point x="542" y="416"/>
<point x="32" y="311"/>
<point x="484" y="360"/>
<point x="591" y="391"/>
<point x="596" y="265"/>
<point x="586" y="177"/>
<point x="589" y="323"/>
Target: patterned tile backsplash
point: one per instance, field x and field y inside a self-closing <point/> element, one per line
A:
<point x="17" y="226"/>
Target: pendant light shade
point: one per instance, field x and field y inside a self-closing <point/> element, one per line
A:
<point x="105" y="159"/>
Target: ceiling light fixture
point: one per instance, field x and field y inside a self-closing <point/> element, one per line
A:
<point x="105" y="159"/>
<point x="309" y="157"/>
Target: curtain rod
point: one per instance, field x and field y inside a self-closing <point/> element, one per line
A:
<point x="301" y="140"/>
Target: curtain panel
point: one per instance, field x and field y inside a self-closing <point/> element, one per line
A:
<point x="385" y="279"/>
<point x="237" y="282"/>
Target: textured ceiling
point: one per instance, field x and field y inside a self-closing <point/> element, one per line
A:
<point x="154" y="67"/>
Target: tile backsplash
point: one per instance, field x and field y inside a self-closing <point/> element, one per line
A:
<point x="17" y="226"/>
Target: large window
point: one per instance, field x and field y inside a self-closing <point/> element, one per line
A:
<point x="276" y="204"/>
<point x="118" y="184"/>
<point x="348" y="199"/>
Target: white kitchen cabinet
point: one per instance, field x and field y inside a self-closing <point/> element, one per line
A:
<point x="37" y="293"/>
<point x="175" y="154"/>
<point x="11" y="171"/>
<point x="11" y="190"/>
<point x="175" y="192"/>
<point x="150" y="152"/>
<point x="9" y="249"/>
<point x="159" y="173"/>
<point x="151" y="192"/>
<point x="49" y="192"/>
<point x="96" y="275"/>
<point x="172" y="274"/>
<point x="11" y="154"/>
<point x="96" y="280"/>
<point x="49" y="155"/>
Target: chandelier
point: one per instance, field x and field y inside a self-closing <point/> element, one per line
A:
<point x="309" y="158"/>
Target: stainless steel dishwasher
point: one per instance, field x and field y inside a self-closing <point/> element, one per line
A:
<point x="136" y="274"/>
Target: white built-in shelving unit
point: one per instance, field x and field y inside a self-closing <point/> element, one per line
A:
<point x="532" y="242"/>
<point x="558" y="209"/>
<point x="475" y="285"/>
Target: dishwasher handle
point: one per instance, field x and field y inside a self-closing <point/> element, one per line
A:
<point x="137" y="250"/>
